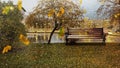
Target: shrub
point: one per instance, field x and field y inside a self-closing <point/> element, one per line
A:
<point x="10" y="26"/>
<point x="9" y="33"/>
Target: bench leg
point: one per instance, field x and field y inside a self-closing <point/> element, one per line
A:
<point x="104" y="42"/>
<point x="104" y="39"/>
<point x="66" y="41"/>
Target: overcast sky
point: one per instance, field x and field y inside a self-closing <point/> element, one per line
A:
<point x="27" y="4"/>
<point x="90" y="5"/>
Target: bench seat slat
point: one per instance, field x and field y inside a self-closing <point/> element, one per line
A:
<point x="76" y="34"/>
<point x="85" y="38"/>
<point x="84" y="35"/>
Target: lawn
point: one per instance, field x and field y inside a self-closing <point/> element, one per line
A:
<point x="62" y="56"/>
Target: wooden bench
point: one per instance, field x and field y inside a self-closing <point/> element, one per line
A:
<point x="74" y="34"/>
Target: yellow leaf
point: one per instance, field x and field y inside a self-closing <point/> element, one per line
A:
<point x="20" y="4"/>
<point x="49" y="15"/>
<point x="4" y="50"/>
<point x="51" y="12"/>
<point x="5" y="10"/>
<point x="61" y="12"/>
<point x="26" y="42"/>
<point x="8" y="47"/>
<point x="21" y="36"/>
<point x="24" y="39"/>
<point x="58" y="14"/>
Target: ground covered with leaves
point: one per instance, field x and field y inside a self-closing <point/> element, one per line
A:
<point x="62" y="56"/>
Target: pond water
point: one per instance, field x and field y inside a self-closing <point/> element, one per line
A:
<point x="43" y="38"/>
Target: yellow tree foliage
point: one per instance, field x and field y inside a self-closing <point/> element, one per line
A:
<point x="20" y="4"/>
<point x="24" y="39"/>
<point x="61" y="12"/>
<point x="6" y="9"/>
<point x="51" y="12"/>
<point x="6" y="49"/>
<point x="61" y="31"/>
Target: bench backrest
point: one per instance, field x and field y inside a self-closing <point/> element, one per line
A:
<point x="91" y="31"/>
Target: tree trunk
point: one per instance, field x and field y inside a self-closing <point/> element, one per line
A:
<point x="52" y="34"/>
<point x="57" y="26"/>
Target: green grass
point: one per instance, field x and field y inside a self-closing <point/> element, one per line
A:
<point x="62" y="56"/>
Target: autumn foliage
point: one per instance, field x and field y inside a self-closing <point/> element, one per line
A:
<point x="10" y="26"/>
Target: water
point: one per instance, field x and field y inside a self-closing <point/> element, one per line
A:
<point x="43" y="38"/>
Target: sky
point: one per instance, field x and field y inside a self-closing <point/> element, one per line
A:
<point x="90" y="5"/>
<point x="27" y="4"/>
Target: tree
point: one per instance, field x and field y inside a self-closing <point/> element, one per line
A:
<point x="10" y="24"/>
<point x="57" y="14"/>
<point x="111" y="9"/>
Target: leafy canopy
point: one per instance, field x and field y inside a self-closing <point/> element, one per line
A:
<point x="10" y="24"/>
<point x="48" y="11"/>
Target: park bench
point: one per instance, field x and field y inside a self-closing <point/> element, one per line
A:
<point x="76" y="34"/>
